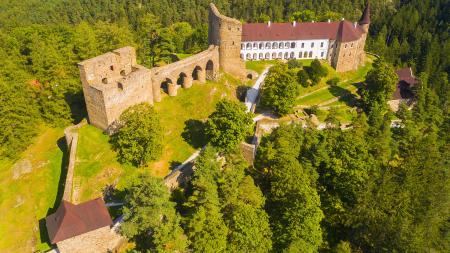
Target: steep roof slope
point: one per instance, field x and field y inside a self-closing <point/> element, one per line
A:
<point x="71" y="220"/>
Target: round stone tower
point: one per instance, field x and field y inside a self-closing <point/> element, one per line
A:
<point x="226" y="33"/>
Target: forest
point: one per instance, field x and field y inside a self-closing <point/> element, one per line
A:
<point x="372" y="188"/>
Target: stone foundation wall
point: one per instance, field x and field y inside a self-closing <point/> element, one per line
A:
<point x="101" y="240"/>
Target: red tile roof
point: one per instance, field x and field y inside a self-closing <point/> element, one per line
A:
<point x="344" y="31"/>
<point x="71" y="220"/>
<point x="365" y="18"/>
<point x="407" y="76"/>
<point x="406" y="80"/>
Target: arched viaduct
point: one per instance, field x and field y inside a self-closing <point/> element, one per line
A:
<point x="200" y="67"/>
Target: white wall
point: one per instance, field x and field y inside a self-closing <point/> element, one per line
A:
<point x="319" y="50"/>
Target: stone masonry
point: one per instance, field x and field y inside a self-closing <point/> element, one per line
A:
<point x="113" y="82"/>
<point x="104" y="239"/>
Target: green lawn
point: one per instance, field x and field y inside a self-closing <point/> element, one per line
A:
<point x="347" y="86"/>
<point x="25" y="202"/>
<point x="259" y="66"/>
<point x="97" y="166"/>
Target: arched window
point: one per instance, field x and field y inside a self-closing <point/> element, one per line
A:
<point x="255" y="45"/>
<point x="292" y="55"/>
<point x="280" y="55"/>
<point x="249" y="46"/>
<point x="305" y="54"/>
<point x="242" y="46"/>
<point x="286" y="55"/>
<point x="281" y="45"/>
<point x="275" y="45"/>
<point x="310" y="54"/>
<point x="286" y="45"/>
<point x="292" y="44"/>
<point x="274" y="55"/>
<point x="261" y="56"/>
<point x="255" y="56"/>
<point x="268" y="45"/>
<point x="261" y="45"/>
<point x="300" y="55"/>
<point x="249" y="56"/>
<point x="268" y="56"/>
<point x="242" y="56"/>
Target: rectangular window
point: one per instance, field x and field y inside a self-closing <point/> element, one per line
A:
<point x="321" y="54"/>
<point x="312" y="45"/>
<point x="303" y="45"/>
<point x="321" y="44"/>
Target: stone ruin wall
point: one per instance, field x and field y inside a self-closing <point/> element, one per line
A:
<point x="113" y="82"/>
<point x="226" y="33"/>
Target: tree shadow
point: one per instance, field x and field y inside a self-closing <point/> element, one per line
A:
<point x="174" y="164"/>
<point x="345" y="96"/>
<point x="62" y="145"/>
<point x="194" y="133"/>
<point x="241" y="92"/>
<point x="77" y="106"/>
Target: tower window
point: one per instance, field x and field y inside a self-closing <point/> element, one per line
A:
<point x="111" y="68"/>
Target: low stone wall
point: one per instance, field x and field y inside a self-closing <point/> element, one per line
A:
<point x="71" y="135"/>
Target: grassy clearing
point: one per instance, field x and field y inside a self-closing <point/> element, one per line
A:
<point x="346" y="87"/>
<point x="259" y="66"/>
<point x="97" y="165"/>
<point x="25" y="202"/>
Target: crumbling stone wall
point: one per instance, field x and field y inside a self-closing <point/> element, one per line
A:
<point x="101" y="240"/>
<point x="226" y="33"/>
<point x="113" y="82"/>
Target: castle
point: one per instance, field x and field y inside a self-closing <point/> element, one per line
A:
<point x="340" y="43"/>
<point x="113" y="82"/>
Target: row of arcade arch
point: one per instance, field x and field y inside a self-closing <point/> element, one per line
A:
<point x="185" y="79"/>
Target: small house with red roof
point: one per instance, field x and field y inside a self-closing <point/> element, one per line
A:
<point x="86" y="227"/>
<point x="404" y="90"/>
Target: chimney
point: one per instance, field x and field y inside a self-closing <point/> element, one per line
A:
<point x="343" y="19"/>
<point x="355" y="24"/>
<point x="294" y="23"/>
<point x="329" y="21"/>
<point x="314" y="21"/>
<point x="269" y="23"/>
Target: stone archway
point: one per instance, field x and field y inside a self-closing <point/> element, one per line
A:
<point x="210" y="75"/>
<point x="184" y="80"/>
<point x="199" y="74"/>
<point x="169" y="87"/>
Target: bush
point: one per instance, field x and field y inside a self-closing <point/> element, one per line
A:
<point x="312" y="110"/>
<point x="228" y="125"/>
<point x="303" y="78"/>
<point x="280" y="90"/>
<point x="333" y="81"/>
<point x="139" y="139"/>
<point x="294" y="64"/>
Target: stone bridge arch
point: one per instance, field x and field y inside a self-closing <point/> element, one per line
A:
<point x="197" y="68"/>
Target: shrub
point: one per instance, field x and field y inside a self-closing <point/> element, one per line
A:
<point x="294" y="64"/>
<point x="333" y="81"/>
<point x="139" y="139"/>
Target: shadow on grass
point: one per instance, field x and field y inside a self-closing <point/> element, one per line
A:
<point x="62" y="145"/>
<point x="194" y="133"/>
<point x="241" y="92"/>
<point x="345" y="96"/>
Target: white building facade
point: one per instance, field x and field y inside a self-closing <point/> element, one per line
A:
<point x="286" y="49"/>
